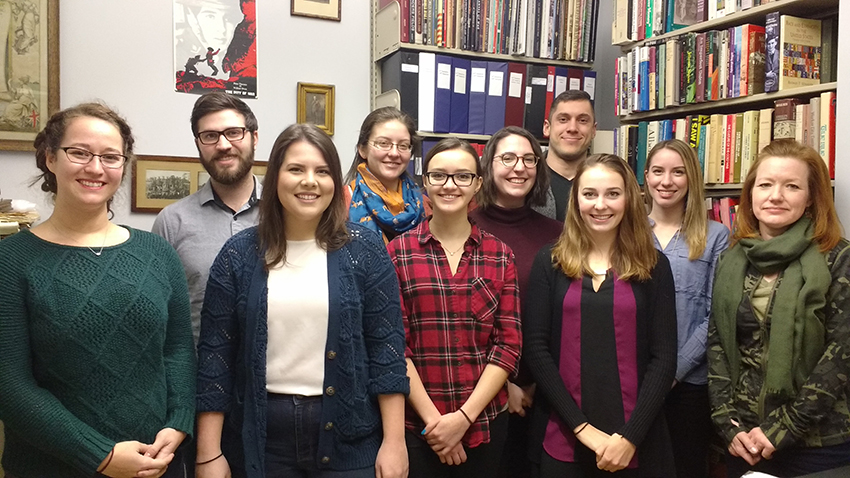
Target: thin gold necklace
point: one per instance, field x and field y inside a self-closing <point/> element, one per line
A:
<point x="102" y="244"/>
<point x="456" y="250"/>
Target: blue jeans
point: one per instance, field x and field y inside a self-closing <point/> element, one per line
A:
<point x="292" y="439"/>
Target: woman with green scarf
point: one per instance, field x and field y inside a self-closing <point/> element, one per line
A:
<point x="383" y="196"/>
<point x="779" y="335"/>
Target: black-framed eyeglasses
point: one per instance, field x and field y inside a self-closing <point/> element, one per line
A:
<point x="385" y="145"/>
<point x="230" y="134"/>
<point x="437" y="178"/>
<point x="84" y="156"/>
<point x="509" y="160"/>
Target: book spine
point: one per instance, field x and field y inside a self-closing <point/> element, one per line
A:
<point x="772" y="46"/>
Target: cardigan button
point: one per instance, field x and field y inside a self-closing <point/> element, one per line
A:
<point x="329" y="426"/>
<point x="330" y="391"/>
<point x="325" y="460"/>
<point x="331" y="355"/>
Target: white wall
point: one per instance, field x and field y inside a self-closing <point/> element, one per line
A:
<point x="120" y="51"/>
<point x="842" y="121"/>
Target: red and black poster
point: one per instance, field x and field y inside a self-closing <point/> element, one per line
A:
<point x="215" y="47"/>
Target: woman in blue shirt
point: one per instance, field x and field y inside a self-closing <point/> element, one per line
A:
<point x="674" y="190"/>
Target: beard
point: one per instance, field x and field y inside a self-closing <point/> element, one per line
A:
<point x="233" y="175"/>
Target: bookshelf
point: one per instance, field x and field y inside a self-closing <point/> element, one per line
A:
<point x="387" y="40"/>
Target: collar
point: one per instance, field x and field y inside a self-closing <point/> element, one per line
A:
<point x="508" y="216"/>
<point x="207" y="194"/>
<point x="423" y="232"/>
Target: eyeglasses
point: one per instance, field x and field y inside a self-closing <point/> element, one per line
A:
<point x="509" y="160"/>
<point x="436" y="178"/>
<point x="385" y="145"/>
<point x="82" y="156"/>
<point x="230" y="134"/>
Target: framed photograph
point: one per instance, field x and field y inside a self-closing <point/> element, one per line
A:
<point x="316" y="105"/>
<point x="161" y="180"/>
<point x="324" y="9"/>
<point x="29" y="93"/>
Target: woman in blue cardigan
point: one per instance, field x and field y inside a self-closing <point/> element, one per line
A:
<point x="301" y="351"/>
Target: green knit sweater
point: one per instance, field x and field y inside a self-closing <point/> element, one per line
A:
<point x="93" y="350"/>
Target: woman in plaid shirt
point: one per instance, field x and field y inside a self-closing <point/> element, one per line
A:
<point x="461" y="316"/>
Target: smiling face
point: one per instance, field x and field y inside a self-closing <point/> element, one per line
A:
<point x="571" y="127"/>
<point x="227" y="162"/>
<point x="450" y="199"/>
<point x="87" y="185"/>
<point x="601" y="201"/>
<point x="780" y="194"/>
<point x="387" y="166"/>
<point x="305" y="189"/>
<point x="512" y="184"/>
<point x="667" y="180"/>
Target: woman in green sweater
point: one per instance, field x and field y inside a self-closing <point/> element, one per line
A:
<point x="98" y="367"/>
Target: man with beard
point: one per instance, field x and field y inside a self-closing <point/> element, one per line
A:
<point x="571" y="127"/>
<point x="225" y="131"/>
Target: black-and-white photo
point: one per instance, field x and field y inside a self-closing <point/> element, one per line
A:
<point x="166" y="184"/>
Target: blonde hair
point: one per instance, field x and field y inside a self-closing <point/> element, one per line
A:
<point x="695" y="221"/>
<point x="827" y="227"/>
<point x="634" y="254"/>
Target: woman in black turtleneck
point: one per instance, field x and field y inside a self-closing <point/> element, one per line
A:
<point x="515" y="179"/>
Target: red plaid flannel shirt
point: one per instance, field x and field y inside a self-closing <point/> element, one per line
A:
<point x="457" y="324"/>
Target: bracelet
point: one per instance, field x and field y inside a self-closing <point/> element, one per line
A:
<point x="108" y="460"/>
<point x="465" y="415"/>
<point x="209" y="461"/>
<point x="582" y="428"/>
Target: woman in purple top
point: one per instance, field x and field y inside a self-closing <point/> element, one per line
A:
<point x="515" y="179"/>
<point x="600" y="335"/>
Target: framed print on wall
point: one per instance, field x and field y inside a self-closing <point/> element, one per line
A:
<point x="161" y="180"/>
<point x="316" y="105"/>
<point x="29" y="57"/>
<point x="324" y="9"/>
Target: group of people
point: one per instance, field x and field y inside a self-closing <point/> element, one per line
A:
<point x="522" y="314"/>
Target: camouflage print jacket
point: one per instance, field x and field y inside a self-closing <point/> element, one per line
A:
<point x="818" y="415"/>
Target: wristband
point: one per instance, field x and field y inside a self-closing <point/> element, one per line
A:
<point x="465" y="415"/>
<point x="209" y="461"/>
<point x="582" y="428"/>
<point x="108" y="460"/>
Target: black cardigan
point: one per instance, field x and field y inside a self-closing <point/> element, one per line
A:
<point x="656" y="345"/>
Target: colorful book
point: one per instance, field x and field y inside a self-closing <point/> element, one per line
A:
<point x="784" y="118"/>
<point x="800" y="52"/>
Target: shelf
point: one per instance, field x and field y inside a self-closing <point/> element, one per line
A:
<point x="387" y="41"/>
<point x="730" y="189"/>
<point x="469" y="137"/>
<point x="807" y="8"/>
<point x="734" y="104"/>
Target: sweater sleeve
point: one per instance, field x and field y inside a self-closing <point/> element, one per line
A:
<point x="30" y="411"/>
<point x="693" y="350"/>
<point x="537" y="319"/>
<point x="661" y="366"/>
<point x="828" y="380"/>
<point x="383" y="329"/>
<point x="220" y="338"/>
<point x="506" y="337"/>
<point x="179" y="349"/>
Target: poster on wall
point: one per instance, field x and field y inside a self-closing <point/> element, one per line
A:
<point x="215" y="47"/>
<point x="29" y="89"/>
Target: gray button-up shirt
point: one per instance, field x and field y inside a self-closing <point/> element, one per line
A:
<point x="197" y="226"/>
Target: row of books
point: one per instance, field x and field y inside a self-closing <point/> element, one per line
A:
<point x="722" y="210"/>
<point x="728" y="144"/>
<point x="451" y="94"/>
<point x="637" y="20"/>
<point x="788" y="52"/>
<point x="554" y="29"/>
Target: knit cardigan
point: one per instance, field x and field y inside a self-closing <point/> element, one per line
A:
<point x="364" y="353"/>
<point x="96" y="349"/>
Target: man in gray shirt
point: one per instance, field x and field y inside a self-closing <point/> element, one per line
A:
<point x="225" y="131"/>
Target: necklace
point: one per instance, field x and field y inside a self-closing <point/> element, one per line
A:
<point x="102" y="244"/>
<point x="455" y="251"/>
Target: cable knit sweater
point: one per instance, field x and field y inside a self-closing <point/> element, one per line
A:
<point x="95" y="350"/>
<point x="364" y="353"/>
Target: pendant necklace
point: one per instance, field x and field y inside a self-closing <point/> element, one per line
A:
<point x="102" y="244"/>
<point x="456" y="250"/>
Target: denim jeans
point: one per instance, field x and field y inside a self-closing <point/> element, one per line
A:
<point x="292" y="439"/>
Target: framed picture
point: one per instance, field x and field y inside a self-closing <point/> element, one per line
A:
<point x="316" y="105"/>
<point x="161" y="180"/>
<point x="29" y="58"/>
<point x="324" y="9"/>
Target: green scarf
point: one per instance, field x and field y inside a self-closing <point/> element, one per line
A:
<point x="796" y="317"/>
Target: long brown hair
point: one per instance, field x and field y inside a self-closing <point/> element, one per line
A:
<point x="695" y="221"/>
<point x="331" y="233"/>
<point x="487" y="194"/>
<point x="827" y="227"/>
<point x="634" y="254"/>
<point x="373" y="120"/>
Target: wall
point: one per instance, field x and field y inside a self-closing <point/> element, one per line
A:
<point x="121" y="52"/>
<point x="842" y="120"/>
